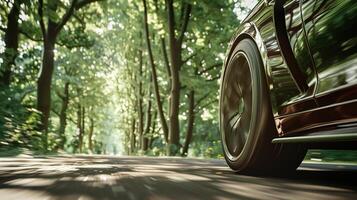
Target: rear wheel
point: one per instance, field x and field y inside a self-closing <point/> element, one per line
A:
<point x="246" y="121"/>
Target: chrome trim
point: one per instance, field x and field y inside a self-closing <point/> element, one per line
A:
<point x="327" y="92"/>
<point x="318" y="138"/>
<point x="319" y="125"/>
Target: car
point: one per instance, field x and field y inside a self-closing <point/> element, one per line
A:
<point x="289" y="84"/>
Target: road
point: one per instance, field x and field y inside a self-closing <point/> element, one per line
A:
<point x="131" y="178"/>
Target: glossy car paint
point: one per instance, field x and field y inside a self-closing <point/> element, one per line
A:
<point x="311" y="77"/>
<point x="332" y="35"/>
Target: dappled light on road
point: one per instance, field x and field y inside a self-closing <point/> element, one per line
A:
<point x="103" y="177"/>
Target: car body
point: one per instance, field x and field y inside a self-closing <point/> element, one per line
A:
<point x="308" y="50"/>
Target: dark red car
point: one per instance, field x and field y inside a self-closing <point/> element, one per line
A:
<point x="289" y="83"/>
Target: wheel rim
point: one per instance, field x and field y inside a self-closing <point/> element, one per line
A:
<point x="236" y="106"/>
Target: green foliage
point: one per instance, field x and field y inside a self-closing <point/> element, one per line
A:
<point x="18" y="122"/>
<point x="322" y="155"/>
<point x="97" y="86"/>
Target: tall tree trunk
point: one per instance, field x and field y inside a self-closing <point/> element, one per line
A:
<point x="79" y="126"/>
<point x="175" y="56"/>
<point x="140" y="122"/>
<point x="90" y="134"/>
<point x="140" y="99"/>
<point x="190" y="122"/>
<point x="49" y="39"/>
<point x="82" y="130"/>
<point x="63" y="115"/>
<point x="154" y="75"/>
<point x="132" y="136"/>
<point x="163" y="48"/>
<point x="145" y="143"/>
<point x="176" y="63"/>
<point x="11" y="40"/>
<point x="147" y="122"/>
<point x="45" y="78"/>
<point x="151" y="139"/>
<point x="166" y="58"/>
<point x="127" y="142"/>
<point x="44" y="87"/>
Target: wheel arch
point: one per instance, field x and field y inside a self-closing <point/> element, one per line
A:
<point x="248" y="31"/>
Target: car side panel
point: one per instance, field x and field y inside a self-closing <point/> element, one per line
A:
<point x="284" y="92"/>
<point x="294" y="115"/>
<point x="332" y="35"/>
<point x="260" y="27"/>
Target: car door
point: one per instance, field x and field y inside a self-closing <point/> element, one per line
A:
<point x="331" y="31"/>
<point x="330" y="28"/>
<point x="294" y="48"/>
<point x="293" y="45"/>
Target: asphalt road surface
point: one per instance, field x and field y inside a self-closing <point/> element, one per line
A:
<point x="131" y="178"/>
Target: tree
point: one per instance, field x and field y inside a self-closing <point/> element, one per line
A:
<point x="190" y="122"/>
<point x="154" y="75"/>
<point x="49" y="35"/>
<point x="11" y="39"/>
<point x="175" y="43"/>
<point x="63" y="114"/>
<point x="141" y="75"/>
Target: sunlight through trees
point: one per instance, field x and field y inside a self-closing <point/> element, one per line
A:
<point x="113" y="76"/>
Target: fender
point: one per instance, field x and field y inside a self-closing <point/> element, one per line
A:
<point x="259" y="26"/>
<point x="285" y="86"/>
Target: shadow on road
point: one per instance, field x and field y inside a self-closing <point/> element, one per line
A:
<point x="162" y="178"/>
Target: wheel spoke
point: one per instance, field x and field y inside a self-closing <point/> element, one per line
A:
<point x="246" y="87"/>
<point x="234" y="119"/>
<point x="238" y="138"/>
<point x="245" y="125"/>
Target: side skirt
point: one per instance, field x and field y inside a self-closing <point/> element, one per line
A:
<point x="337" y="135"/>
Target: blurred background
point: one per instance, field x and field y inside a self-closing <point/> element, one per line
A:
<point x="117" y="77"/>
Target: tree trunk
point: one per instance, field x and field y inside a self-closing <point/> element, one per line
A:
<point x="174" y="131"/>
<point x="166" y="58"/>
<point x="45" y="79"/>
<point x="82" y="130"/>
<point x="127" y="142"/>
<point x="163" y="48"/>
<point x="49" y="38"/>
<point x="11" y="40"/>
<point x="79" y="125"/>
<point x="151" y="139"/>
<point x="190" y="122"/>
<point x="132" y="136"/>
<point x="154" y="75"/>
<point x="140" y="100"/>
<point x="175" y="44"/>
<point x="63" y="115"/>
<point x="44" y="88"/>
<point x="90" y="134"/>
<point x="147" y="122"/>
<point x="140" y="122"/>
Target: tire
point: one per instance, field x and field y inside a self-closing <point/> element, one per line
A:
<point x="246" y="121"/>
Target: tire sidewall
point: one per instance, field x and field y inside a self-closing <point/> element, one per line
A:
<point x="247" y="158"/>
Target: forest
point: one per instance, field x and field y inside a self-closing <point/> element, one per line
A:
<point x="129" y="77"/>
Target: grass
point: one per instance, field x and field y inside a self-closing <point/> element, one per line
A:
<point x="331" y="156"/>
